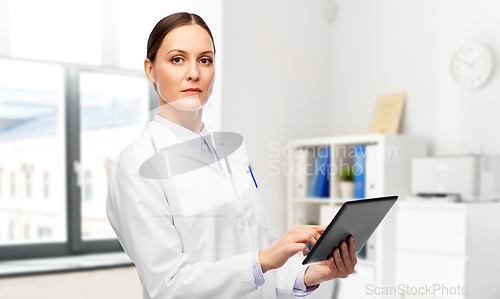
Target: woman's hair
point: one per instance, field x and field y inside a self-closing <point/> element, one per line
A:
<point x="169" y="23"/>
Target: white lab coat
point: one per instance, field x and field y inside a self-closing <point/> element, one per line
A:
<point x="206" y="254"/>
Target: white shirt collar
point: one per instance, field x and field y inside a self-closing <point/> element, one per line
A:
<point x="183" y="133"/>
<point x="180" y="131"/>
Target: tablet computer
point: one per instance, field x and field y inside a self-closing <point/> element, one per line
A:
<point x="358" y="218"/>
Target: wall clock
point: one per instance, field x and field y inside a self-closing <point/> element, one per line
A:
<point x="472" y="66"/>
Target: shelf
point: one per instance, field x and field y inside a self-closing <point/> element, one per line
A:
<point x="346" y="139"/>
<point x="389" y="159"/>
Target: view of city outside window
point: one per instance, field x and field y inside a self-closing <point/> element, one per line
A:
<point x="109" y="106"/>
<point x="33" y="195"/>
<point x="32" y="147"/>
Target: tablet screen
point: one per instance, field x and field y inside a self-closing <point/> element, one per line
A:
<point x="358" y="218"/>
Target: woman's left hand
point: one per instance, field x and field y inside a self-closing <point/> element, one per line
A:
<point x="340" y="265"/>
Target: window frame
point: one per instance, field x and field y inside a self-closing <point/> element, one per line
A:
<point x="74" y="244"/>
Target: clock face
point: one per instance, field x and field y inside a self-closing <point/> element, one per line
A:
<point x="472" y="66"/>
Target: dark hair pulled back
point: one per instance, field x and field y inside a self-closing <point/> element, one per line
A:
<point x="169" y="23"/>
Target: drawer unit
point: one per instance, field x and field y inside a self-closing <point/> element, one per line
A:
<point x="359" y="285"/>
<point x="441" y="231"/>
<point x="447" y="250"/>
<point x="442" y="271"/>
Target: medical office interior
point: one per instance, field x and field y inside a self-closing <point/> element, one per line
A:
<point x="293" y="77"/>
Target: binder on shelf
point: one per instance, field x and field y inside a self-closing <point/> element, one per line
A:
<point x="304" y="163"/>
<point x="323" y="183"/>
<point x="311" y="192"/>
<point x="314" y="178"/>
<point x="359" y="171"/>
<point x="374" y="172"/>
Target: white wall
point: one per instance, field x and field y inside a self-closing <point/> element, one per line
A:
<point x="276" y="78"/>
<point x="387" y="46"/>
<point x="281" y="71"/>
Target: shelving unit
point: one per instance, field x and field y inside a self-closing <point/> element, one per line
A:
<point x="391" y="155"/>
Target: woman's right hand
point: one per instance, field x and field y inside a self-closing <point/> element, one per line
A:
<point x="293" y="241"/>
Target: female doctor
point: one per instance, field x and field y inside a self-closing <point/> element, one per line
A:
<point x="201" y="231"/>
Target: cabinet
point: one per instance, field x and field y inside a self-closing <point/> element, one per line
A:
<point x="448" y="250"/>
<point x="388" y="166"/>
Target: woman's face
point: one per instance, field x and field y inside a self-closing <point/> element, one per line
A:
<point x="184" y="60"/>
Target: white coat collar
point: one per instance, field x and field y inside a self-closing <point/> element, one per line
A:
<point x="162" y="138"/>
<point x="230" y="184"/>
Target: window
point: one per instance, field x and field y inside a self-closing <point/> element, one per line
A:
<point x="11" y="231"/>
<point x="12" y="185"/>
<point x="88" y="185"/>
<point x="44" y="232"/>
<point x="36" y="133"/>
<point x="46" y="184"/>
<point x="27" y="229"/>
<point x="70" y="33"/>
<point x="107" y="165"/>
<point x="69" y="115"/>
<point x="110" y="104"/>
<point x="28" y="185"/>
<point x="32" y="136"/>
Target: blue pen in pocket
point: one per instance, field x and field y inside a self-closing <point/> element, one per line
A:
<point x="250" y="170"/>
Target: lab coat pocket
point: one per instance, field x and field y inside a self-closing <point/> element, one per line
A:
<point x="199" y="202"/>
<point x="246" y="188"/>
<point x="244" y="183"/>
<point x="200" y="190"/>
<point x="260" y="211"/>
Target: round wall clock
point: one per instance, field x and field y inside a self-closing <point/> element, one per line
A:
<point x="471" y="66"/>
